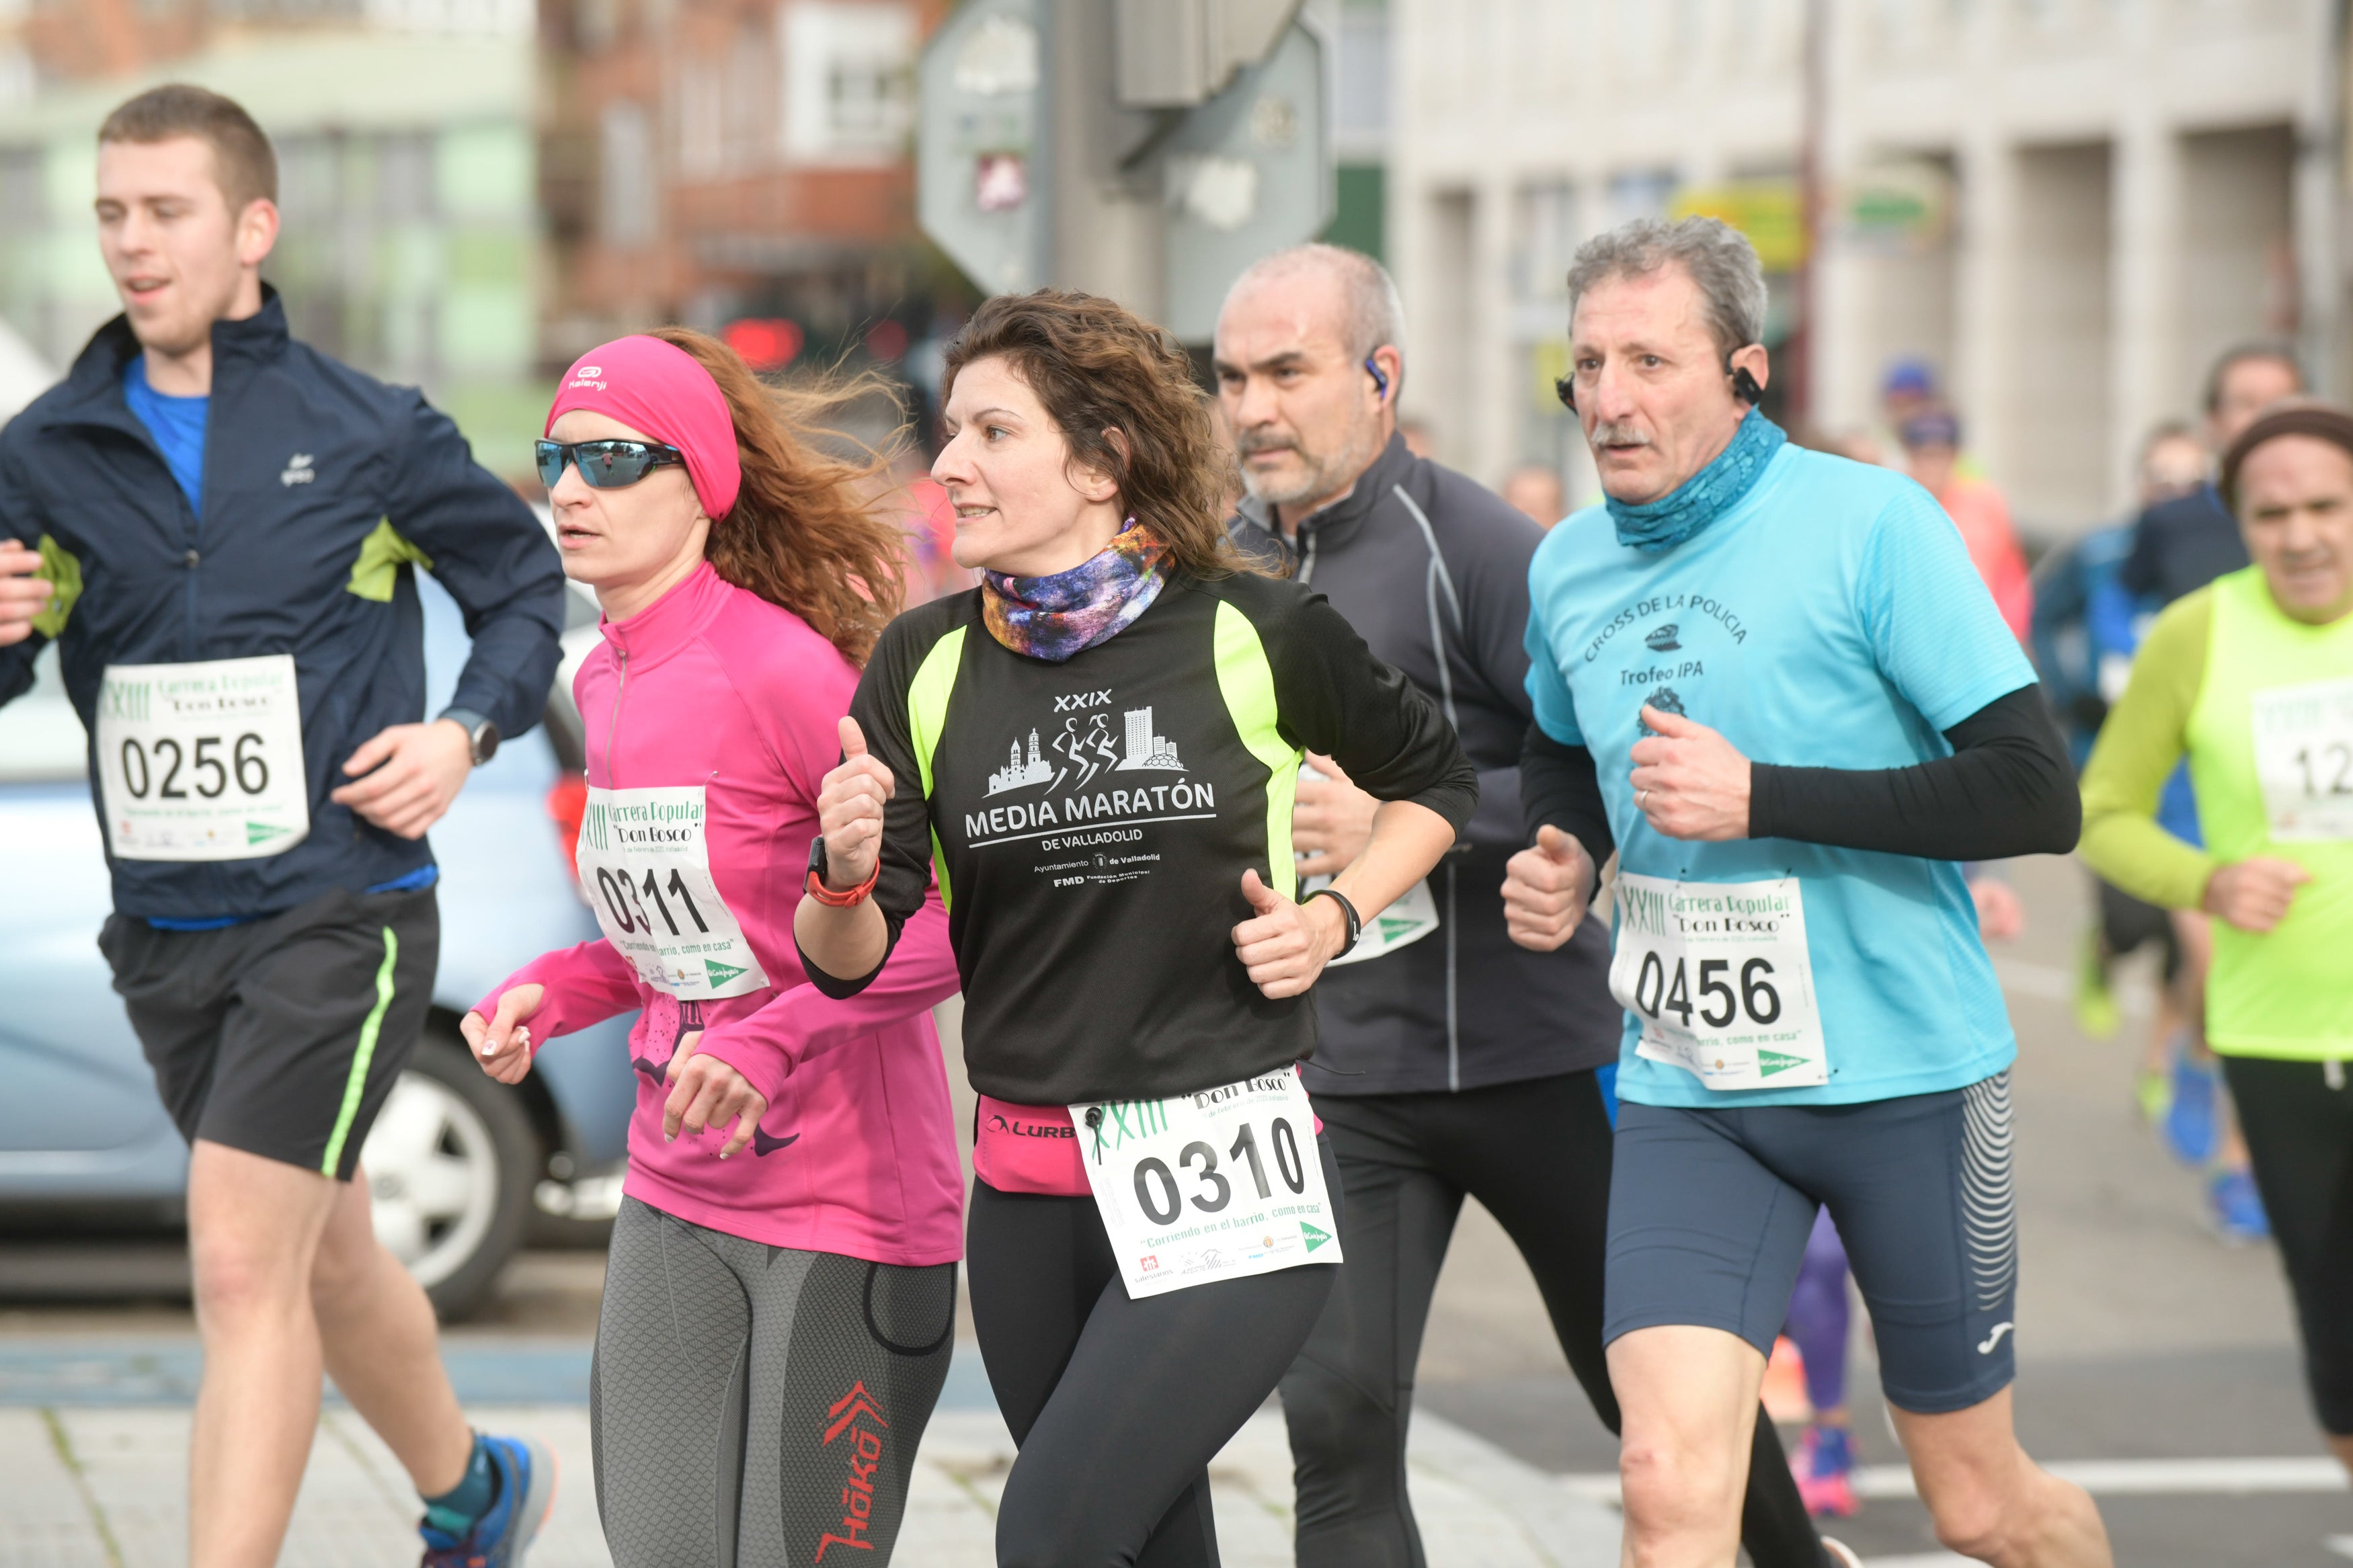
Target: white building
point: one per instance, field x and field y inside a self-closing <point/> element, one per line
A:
<point x="2114" y="190"/>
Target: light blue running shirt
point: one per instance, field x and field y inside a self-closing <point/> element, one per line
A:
<point x="1829" y="618"/>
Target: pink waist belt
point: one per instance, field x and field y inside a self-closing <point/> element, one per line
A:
<point x="1032" y="1148"/>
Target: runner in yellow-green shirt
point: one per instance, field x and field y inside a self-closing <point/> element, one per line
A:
<point x="2252" y="678"/>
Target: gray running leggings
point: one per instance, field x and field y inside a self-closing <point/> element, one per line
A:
<point x="757" y="1405"/>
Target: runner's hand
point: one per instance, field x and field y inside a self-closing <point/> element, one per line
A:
<point x="705" y="1093"/>
<point x="1546" y="888"/>
<point x="22" y="594"/>
<point x="1333" y="820"/>
<point x="850" y="810"/>
<point x="502" y="1045"/>
<point x="1284" y="946"/>
<point x="2254" y="894"/>
<point x="419" y="770"/>
<point x="2001" y="917"/>
<point x="1689" y="781"/>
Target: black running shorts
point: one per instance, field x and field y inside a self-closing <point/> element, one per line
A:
<point x="1709" y="1212"/>
<point x="282" y="1036"/>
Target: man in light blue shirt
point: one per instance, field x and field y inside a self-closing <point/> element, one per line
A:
<point x="1811" y="1018"/>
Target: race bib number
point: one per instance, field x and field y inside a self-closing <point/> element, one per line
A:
<point x="1717" y="976"/>
<point x="645" y="865"/>
<point x="202" y="762"/>
<point x="1213" y="1185"/>
<point x="2303" y="759"/>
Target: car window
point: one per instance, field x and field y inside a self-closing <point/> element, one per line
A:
<point x="41" y="736"/>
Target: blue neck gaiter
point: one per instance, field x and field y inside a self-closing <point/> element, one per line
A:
<point x="1664" y="524"/>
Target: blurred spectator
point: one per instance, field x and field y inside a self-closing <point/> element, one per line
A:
<point x="2172" y="463"/>
<point x="2184" y="544"/>
<point x="1535" y="491"/>
<point x="1932" y="447"/>
<point x="929" y="519"/>
<point x="1909" y="387"/>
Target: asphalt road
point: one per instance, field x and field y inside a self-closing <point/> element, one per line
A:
<point x="2141" y="1337"/>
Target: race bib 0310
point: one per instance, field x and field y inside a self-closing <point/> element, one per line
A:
<point x="1214" y="1185"/>
<point x="1718" y="978"/>
<point x="203" y="760"/>
<point x="645" y="866"/>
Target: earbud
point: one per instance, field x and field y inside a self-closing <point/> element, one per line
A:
<point x="1745" y="387"/>
<point x="1564" y="388"/>
<point x="1380" y="381"/>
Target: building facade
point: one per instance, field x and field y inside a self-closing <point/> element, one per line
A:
<point x="2066" y="208"/>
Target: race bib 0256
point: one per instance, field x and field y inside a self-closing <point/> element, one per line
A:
<point x="645" y="866"/>
<point x="203" y="760"/>
<point x="1718" y="977"/>
<point x="1214" y="1185"/>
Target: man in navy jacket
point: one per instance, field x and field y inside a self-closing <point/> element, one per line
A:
<point x="218" y="526"/>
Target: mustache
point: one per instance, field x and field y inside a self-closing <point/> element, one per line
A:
<point x="1618" y="433"/>
<point x="1248" y="442"/>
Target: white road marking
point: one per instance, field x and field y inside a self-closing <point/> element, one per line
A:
<point x="2101" y="1478"/>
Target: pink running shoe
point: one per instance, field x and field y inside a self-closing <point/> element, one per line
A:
<point x="1824" y="1469"/>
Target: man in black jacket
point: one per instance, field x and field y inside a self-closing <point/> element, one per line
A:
<point x="1450" y="1061"/>
<point x="2184" y="542"/>
<point x="218" y="526"/>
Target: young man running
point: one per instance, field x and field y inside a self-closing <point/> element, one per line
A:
<point x="217" y="525"/>
<point x="1811" y="1017"/>
<point x="1449" y="1061"/>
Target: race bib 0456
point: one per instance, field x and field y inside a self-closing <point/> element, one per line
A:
<point x="1719" y="979"/>
<point x="1214" y="1185"/>
<point x="2303" y="759"/>
<point x="645" y="866"/>
<point x="203" y="760"/>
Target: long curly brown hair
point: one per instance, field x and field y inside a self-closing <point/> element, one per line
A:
<point x="1097" y="366"/>
<point x="809" y="530"/>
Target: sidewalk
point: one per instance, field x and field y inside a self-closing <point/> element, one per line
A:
<point x="103" y="1485"/>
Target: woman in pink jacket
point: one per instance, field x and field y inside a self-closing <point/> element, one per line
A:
<point x="780" y="1301"/>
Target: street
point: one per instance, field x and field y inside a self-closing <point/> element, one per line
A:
<point x="2157" y="1364"/>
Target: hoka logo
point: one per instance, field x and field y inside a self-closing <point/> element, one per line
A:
<point x="865" y="1458"/>
<point x="298" y="470"/>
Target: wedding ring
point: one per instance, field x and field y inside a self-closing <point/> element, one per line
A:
<point x="1639" y="796"/>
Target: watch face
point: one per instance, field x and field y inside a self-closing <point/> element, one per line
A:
<point x="486" y="744"/>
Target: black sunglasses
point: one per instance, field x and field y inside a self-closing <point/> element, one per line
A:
<point x="604" y="465"/>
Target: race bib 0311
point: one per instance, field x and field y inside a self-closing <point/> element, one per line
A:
<point x="1214" y="1185"/>
<point x="1718" y="977"/>
<point x="203" y="760"/>
<point x="645" y="866"/>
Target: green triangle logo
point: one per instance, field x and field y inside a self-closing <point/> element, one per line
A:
<point x="1770" y="1062"/>
<point x="259" y="832"/>
<point x="1393" y="926"/>
<point x="1315" y="1237"/>
<point x="721" y="973"/>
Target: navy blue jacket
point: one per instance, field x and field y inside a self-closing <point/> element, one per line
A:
<point x="322" y="488"/>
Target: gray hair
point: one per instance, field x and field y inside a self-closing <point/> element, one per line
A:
<point x="1373" y="315"/>
<point x="1718" y="257"/>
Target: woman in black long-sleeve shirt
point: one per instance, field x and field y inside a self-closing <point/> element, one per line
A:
<point x="1095" y="752"/>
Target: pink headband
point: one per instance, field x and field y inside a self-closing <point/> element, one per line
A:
<point x="661" y="390"/>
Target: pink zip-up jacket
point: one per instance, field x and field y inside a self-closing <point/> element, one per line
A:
<point x="711" y="685"/>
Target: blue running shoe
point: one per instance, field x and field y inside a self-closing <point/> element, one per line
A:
<point x="2239" y="1207"/>
<point x="501" y="1537"/>
<point x="2189" y="1127"/>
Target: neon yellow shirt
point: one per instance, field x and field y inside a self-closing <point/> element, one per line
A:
<point x="2262" y="705"/>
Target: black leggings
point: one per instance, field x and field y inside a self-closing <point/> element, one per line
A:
<point x="1537" y="1155"/>
<point x="758" y="1404"/>
<point x="2300" y="1131"/>
<point x="1118" y="1405"/>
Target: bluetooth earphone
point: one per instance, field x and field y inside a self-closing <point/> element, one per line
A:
<point x="1380" y="381"/>
<point x="1744" y="387"/>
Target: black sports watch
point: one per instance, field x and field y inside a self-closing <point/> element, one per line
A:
<point x="482" y="735"/>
